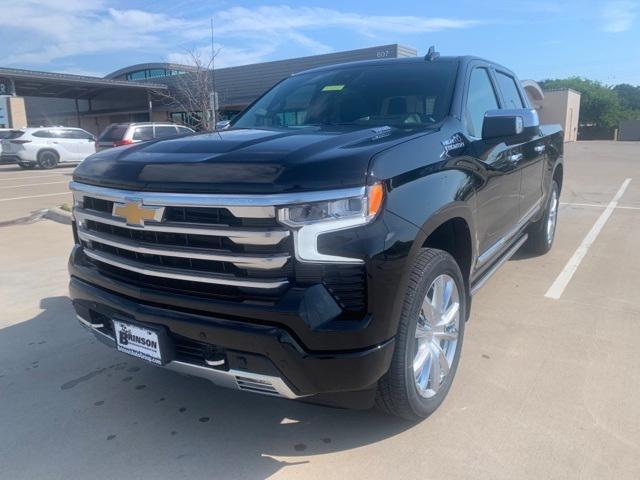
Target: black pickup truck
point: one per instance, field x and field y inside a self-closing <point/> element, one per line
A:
<point x="327" y="245"/>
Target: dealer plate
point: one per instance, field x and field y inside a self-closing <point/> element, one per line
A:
<point x="138" y="341"/>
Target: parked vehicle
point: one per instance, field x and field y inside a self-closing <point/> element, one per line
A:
<point x="118" y="134"/>
<point x="47" y="147"/>
<point x="328" y="244"/>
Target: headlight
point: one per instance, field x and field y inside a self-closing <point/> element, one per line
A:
<point x="316" y="218"/>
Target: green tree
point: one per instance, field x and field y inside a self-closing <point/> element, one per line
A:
<point x="629" y="97"/>
<point x="599" y="104"/>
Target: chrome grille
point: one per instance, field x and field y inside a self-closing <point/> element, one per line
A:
<point x="203" y="239"/>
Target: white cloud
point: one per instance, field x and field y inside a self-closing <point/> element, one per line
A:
<point x="59" y="30"/>
<point x="619" y="15"/>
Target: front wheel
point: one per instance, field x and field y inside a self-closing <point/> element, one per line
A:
<point x="429" y="338"/>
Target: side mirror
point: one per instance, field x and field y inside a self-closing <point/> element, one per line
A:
<point x="520" y="122"/>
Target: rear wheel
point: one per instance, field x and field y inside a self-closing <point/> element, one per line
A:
<point x="429" y="338"/>
<point x="48" y="159"/>
<point x="543" y="232"/>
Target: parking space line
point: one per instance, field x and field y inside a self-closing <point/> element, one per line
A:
<point x="31" y="185"/>
<point x="35" y="196"/>
<point x="11" y="179"/>
<point x="596" y="205"/>
<point x="562" y="280"/>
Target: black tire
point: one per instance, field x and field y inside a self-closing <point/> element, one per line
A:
<point x="48" y="159"/>
<point x="27" y="166"/>
<point x="540" y="240"/>
<point x="397" y="392"/>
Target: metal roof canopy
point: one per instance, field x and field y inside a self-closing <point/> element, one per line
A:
<point x="31" y="83"/>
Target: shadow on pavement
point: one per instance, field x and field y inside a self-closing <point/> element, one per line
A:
<point x="66" y="394"/>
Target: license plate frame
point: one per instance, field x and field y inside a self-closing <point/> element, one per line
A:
<point x="149" y="343"/>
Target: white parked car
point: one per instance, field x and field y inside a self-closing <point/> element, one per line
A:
<point x="47" y="147"/>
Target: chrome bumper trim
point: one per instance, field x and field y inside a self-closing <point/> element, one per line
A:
<point x="255" y="206"/>
<point x="179" y="274"/>
<point x="258" y="262"/>
<point x="234" y="379"/>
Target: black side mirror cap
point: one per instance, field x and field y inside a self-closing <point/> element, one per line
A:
<point x="520" y="122"/>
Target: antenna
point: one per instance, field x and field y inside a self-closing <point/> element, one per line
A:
<point x="431" y="54"/>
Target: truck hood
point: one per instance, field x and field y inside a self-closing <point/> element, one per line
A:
<point x="244" y="161"/>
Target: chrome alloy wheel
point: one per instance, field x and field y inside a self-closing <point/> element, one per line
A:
<point x="436" y="336"/>
<point x="553" y="216"/>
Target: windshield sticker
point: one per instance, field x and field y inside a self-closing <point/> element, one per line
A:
<point x="332" y="88"/>
<point x="453" y="143"/>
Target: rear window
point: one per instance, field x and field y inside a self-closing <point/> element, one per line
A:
<point x="165" y="131"/>
<point x="184" y="130"/>
<point x="113" y="133"/>
<point x="9" y="134"/>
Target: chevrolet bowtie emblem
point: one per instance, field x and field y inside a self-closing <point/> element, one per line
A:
<point x="135" y="213"/>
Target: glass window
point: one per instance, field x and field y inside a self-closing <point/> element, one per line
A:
<point x="184" y="130"/>
<point x="165" y="131"/>
<point x="157" y="72"/>
<point x="9" y="134"/>
<point x="112" y="133"/>
<point x="143" y="133"/>
<point x="406" y="95"/>
<point x="139" y="75"/>
<point x="509" y="91"/>
<point x="75" y="134"/>
<point x="43" y="134"/>
<point x="480" y="98"/>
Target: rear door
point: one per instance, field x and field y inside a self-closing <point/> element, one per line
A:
<point x="532" y="152"/>
<point x="498" y="195"/>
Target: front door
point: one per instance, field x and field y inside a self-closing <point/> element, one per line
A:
<point x="498" y="194"/>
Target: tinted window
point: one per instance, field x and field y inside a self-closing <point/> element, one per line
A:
<point x="75" y="134"/>
<point x="509" y="91"/>
<point x="143" y="133"/>
<point x="184" y="130"/>
<point x="43" y="134"/>
<point x="165" y="131"/>
<point x="8" y="134"/>
<point x="406" y="95"/>
<point x="112" y="133"/>
<point x="480" y="98"/>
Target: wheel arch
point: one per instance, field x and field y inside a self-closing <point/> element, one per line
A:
<point x="47" y="149"/>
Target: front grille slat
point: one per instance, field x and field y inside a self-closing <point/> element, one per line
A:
<point x="234" y="252"/>
<point x="195" y="249"/>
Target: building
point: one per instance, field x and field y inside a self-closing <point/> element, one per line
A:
<point x="141" y="92"/>
<point x="629" y="131"/>
<point x="152" y="91"/>
<point x="561" y="106"/>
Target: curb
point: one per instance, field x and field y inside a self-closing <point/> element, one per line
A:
<point x="58" y="215"/>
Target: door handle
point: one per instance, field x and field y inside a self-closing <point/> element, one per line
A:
<point x="516" y="157"/>
<point x="539" y="148"/>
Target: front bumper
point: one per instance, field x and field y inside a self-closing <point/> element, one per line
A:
<point x="261" y="358"/>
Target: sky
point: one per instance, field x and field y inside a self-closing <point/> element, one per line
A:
<point x="537" y="39"/>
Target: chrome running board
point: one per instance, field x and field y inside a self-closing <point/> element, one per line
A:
<point x="478" y="284"/>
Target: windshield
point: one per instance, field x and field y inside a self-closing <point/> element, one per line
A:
<point x="405" y="95"/>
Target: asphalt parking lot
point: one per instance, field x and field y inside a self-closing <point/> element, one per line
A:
<point x="548" y="385"/>
<point x="24" y="191"/>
